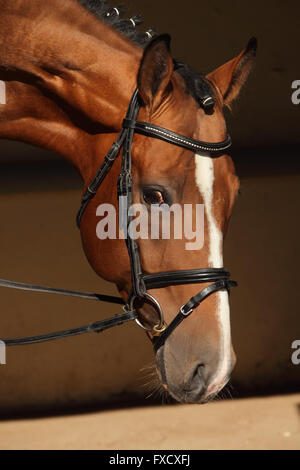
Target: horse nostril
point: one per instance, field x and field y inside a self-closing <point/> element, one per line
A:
<point x="195" y="382"/>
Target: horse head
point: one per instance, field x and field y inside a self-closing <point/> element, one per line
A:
<point x="196" y="360"/>
<point x="68" y="82"/>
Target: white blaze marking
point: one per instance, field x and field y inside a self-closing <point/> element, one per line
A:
<point x="205" y="182"/>
<point x="2" y="92"/>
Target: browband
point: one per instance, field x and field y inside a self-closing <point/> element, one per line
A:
<point x="151" y="130"/>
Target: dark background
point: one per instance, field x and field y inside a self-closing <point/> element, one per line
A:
<point x="39" y="195"/>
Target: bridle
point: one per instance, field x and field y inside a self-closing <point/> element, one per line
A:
<point x="218" y="278"/>
<point x="141" y="283"/>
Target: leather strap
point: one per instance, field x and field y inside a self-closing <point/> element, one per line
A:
<point x="189" y="307"/>
<point x="100" y="176"/>
<point x="53" y="290"/>
<point x="192" y="276"/>
<point x="96" y="327"/>
<point x="125" y="191"/>
<point x="108" y="161"/>
<point x="151" y="130"/>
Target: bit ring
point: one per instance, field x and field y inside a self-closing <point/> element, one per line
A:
<point x="160" y="326"/>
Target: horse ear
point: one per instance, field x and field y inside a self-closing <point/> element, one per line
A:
<point x="155" y="72"/>
<point x="230" y="77"/>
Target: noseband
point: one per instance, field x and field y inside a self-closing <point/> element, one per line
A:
<point x="141" y="283"/>
<point x="216" y="278"/>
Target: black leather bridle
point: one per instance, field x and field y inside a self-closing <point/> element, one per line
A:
<point x="217" y="278"/>
<point x="141" y="283"/>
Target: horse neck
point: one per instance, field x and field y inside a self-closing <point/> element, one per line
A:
<point x="68" y="77"/>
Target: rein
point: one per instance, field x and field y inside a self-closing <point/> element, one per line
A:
<point x="95" y="327"/>
<point x="217" y="277"/>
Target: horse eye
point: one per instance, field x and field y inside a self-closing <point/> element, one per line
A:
<point x="153" y="196"/>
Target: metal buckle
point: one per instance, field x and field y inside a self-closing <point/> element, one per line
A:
<point x="158" y="331"/>
<point x="186" y="314"/>
<point x="91" y="191"/>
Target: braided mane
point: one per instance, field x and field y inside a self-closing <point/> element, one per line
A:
<point x="114" y="17"/>
<point x="196" y="85"/>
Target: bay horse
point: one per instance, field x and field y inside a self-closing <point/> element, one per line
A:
<point x="68" y="70"/>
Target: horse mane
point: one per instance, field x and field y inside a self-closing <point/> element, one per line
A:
<point x="195" y="83"/>
<point x="113" y="16"/>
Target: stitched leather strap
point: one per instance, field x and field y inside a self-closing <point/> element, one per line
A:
<point x="100" y="176"/>
<point x="125" y="190"/>
<point x="192" y="276"/>
<point x="110" y="158"/>
<point x="151" y="130"/>
<point x="96" y="327"/>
